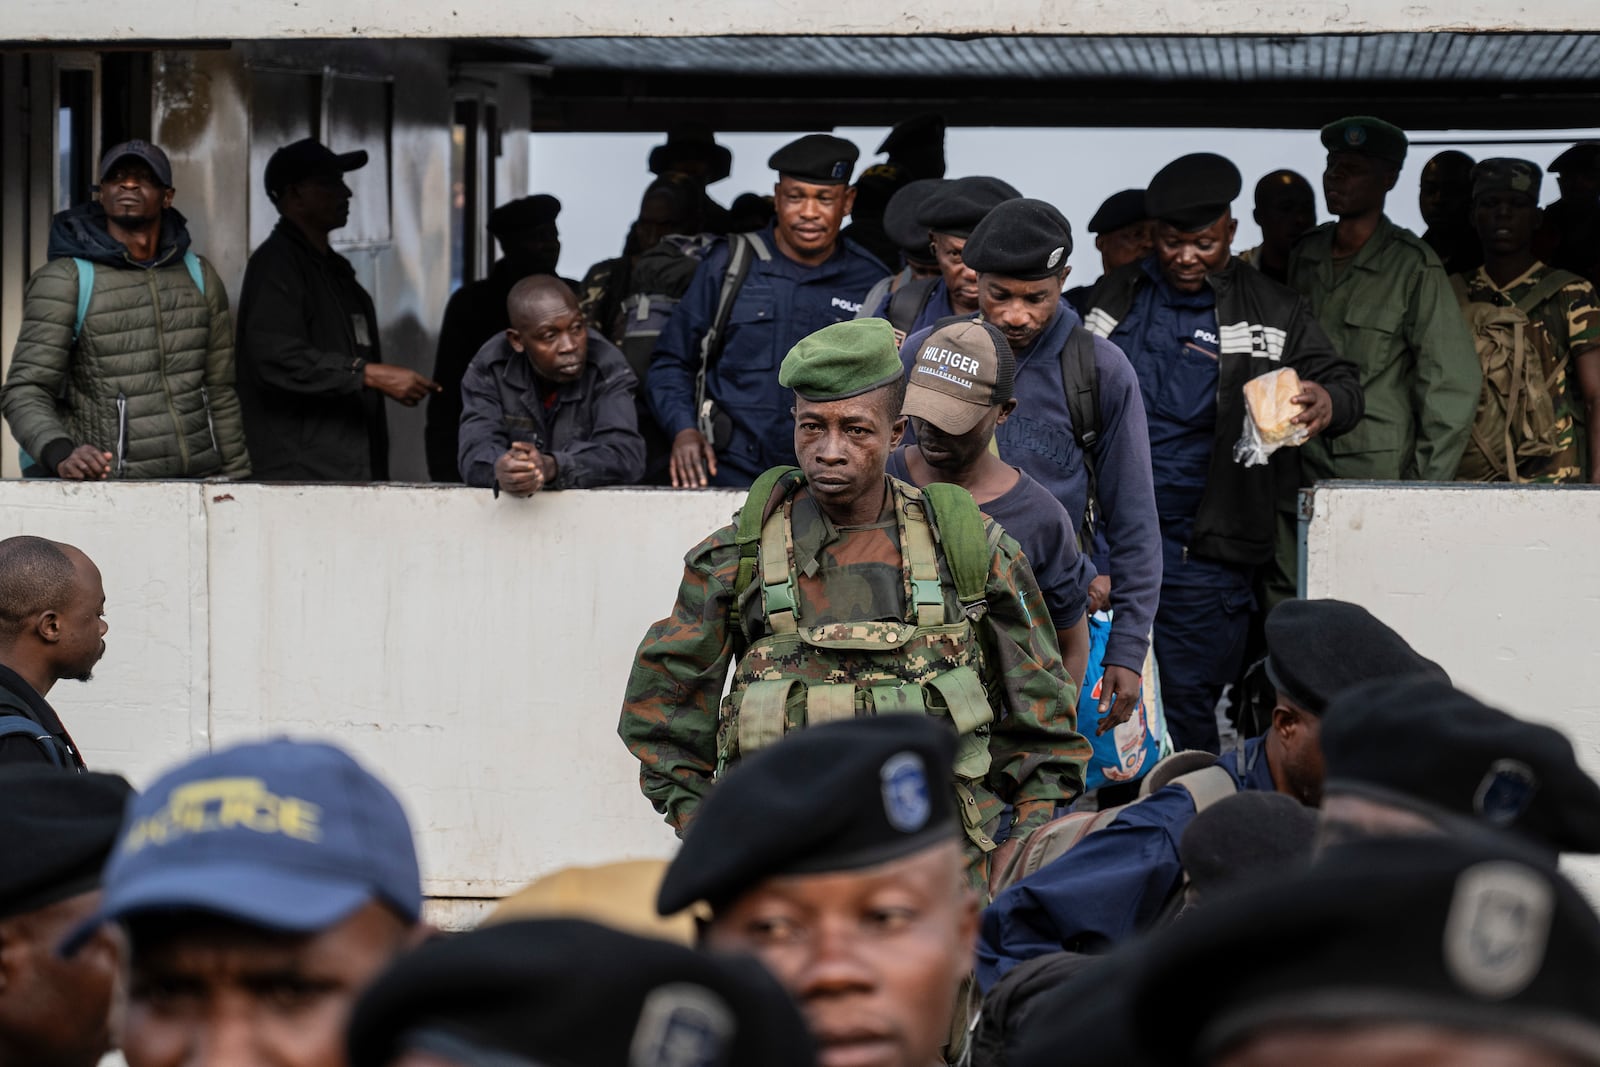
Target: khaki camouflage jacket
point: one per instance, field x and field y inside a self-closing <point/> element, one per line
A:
<point x="670" y="712"/>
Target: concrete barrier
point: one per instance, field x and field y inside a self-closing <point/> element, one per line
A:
<point x="472" y="651"/>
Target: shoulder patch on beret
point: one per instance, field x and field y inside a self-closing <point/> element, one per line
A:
<point x="905" y="792"/>
<point x="1498" y="928"/>
<point x="681" y="1025"/>
<point x="1505" y="792"/>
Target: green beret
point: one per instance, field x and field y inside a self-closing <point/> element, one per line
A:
<point x="843" y="360"/>
<point x="1367" y="136"/>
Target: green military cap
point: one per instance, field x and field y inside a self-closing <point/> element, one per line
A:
<point x="1368" y="136"/>
<point x="843" y="360"/>
<point x="1502" y="174"/>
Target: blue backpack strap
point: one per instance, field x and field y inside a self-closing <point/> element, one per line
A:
<point x="18" y="726"/>
<point x="85" y="291"/>
<point x="192" y="261"/>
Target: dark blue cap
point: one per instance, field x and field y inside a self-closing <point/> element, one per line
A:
<point x="286" y="835"/>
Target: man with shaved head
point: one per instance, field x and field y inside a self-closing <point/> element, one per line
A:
<point x="549" y="404"/>
<point x="1285" y="209"/>
<point x="52" y="626"/>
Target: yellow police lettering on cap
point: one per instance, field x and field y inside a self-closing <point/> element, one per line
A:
<point x="225" y="804"/>
<point x="1055" y="258"/>
<point x="906" y="804"/>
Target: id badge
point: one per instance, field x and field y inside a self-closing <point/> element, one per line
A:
<point x="358" y="327"/>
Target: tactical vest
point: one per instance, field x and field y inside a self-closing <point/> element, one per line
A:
<point x="930" y="662"/>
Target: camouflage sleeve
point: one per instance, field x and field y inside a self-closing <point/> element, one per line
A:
<point x="669" y="713"/>
<point x="1038" y="754"/>
<point x="1582" y="309"/>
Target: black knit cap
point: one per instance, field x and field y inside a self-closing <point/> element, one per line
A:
<point x="1318" y="648"/>
<point x="816" y="158"/>
<point x="1022" y="239"/>
<point x="56" y="830"/>
<point x="961" y="204"/>
<point x="837" y="797"/>
<point x="900" y="218"/>
<point x="1467" y="933"/>
<point x="1244" y="838"/>
<point x="1422" y="744"/>
<point x="1119" y="210"/>
<point x="575" y="994"/>
<point x="1193" y="191"/>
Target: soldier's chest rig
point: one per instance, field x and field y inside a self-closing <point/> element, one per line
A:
<point x="931" y="661"/>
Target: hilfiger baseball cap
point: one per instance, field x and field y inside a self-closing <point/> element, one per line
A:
<point x="286" y="835"/>
<point x="959" y="373"/>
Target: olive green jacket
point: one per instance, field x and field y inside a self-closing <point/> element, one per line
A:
<point x="1392" y="313"/>
<point x="150" y="380"/>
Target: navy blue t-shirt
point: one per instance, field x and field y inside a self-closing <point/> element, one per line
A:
<point x="1036" y="521"/>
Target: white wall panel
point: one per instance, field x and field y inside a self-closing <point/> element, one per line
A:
<point x="473" y="651"/>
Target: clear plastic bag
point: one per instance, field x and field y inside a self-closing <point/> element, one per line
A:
<point x="1267" y="400"/>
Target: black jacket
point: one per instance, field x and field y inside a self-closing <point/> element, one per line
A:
<point x="19" y="698"/>
<point x="1261" y="326"/>
<point x="591" y="430"/>
<point x="302" y="317"/>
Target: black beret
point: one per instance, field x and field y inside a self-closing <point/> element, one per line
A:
<point x="1367" y="136"/>
<point x="1467" y="933"/>
<point x="563" y="991"/>
<point x="56" y="830"/>
<point x="918" y="131"/>
<point x="817" y="158"/>
<point x="1246" y="837"/>
<point x="836" y="797"/>
<point x="961" y="204"/>
<point x="900" y="217"/>
<point x="1423" y="744"/>
<point x="1119" y="210"/>
<point x="540" y="209"/>
<point x="1193" y="191"/>
<point x="1318" y="648"/>
<point x="1023" y="239"/>
<point x="1583" y="156"/>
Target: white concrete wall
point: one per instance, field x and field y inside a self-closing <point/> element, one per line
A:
<point x="241" y="19"/>
<point x="471" y="651"/>
<point x="1500" y="585"/>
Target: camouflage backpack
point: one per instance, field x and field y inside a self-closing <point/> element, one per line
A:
<point x="931" y="662"/>
<point x="1516" y="420"/>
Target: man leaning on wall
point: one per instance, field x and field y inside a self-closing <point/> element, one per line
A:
<point x="124" y="362"/>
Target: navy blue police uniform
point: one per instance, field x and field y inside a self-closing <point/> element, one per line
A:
<point x="780" y="302"/>
<point x="1174" y="342"/>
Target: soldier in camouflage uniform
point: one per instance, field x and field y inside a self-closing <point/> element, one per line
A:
<point x="843" y="618"/>
<point x="1563" y="322"/>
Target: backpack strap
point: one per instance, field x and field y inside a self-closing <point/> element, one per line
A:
<point x="192" y="261"/>
<point x="922" y="560"/>
<point x="1548" y="286"/>
<point x="907" y="302"/>
<point x="751" y="518"/>
<point x="20" y="726"/>
<point x="1081" y="381"/>
<point x="1207" y="786"/>
<point x="742" y="248"/>
<point x="85" y="291"/>
<point x="967" y="547"/>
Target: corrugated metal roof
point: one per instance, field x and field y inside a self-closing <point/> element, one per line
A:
<point x="1401" y="57"/>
